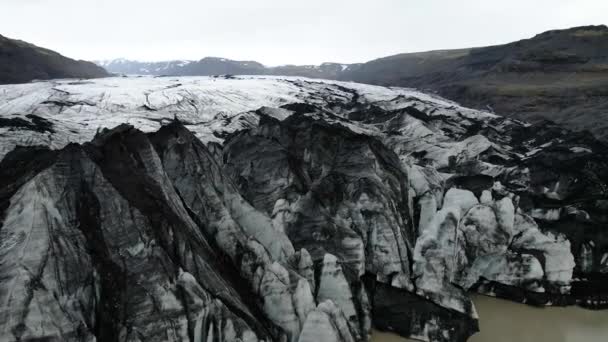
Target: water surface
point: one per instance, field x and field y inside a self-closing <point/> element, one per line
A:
<point x="505" y="321"/>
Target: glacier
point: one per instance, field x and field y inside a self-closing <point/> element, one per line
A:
<point x="264" y="208"/>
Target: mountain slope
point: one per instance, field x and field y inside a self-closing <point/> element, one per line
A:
<point x="22" y="62"/>
<point x="284" y="209"/>
<point x="559" y="75"/>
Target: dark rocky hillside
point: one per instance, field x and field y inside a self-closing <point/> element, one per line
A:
<point x="21" y="62"/>
<point x="559" y="75"/>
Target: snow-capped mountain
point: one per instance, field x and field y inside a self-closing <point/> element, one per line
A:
<point x="210" y="66"/>
<point x="284" y="209"/>
<point x="129" y="67"/>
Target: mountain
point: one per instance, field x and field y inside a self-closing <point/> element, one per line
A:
<point x="330" y="71"/>
<point x="559" y="75"/>
<point x="284" y="209"/>
<point x="210" y="66"/>
<point x="128" y="67"/>
<point x="204" y="67"/>
<point x="21" y="62"/>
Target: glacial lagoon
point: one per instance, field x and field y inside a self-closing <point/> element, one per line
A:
<point x="505" y="321"/>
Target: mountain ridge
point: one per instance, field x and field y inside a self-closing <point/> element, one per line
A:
<point x="22" y="62"/>
<point x="210" y="66"/>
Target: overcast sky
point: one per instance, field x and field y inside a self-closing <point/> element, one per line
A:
<point x="283" y="31"/>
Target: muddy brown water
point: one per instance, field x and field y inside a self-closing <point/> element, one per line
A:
<point x="505" y="321"/>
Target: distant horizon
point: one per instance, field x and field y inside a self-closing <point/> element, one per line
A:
<point x="277" y="33"/>
<point x="340" y="62"/>
<point x="218" y="57"/>
<point x="98" y="61"/>
<point x="333" y="62"/>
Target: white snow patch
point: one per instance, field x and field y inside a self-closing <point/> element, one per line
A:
<point x="580" y="150"/>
